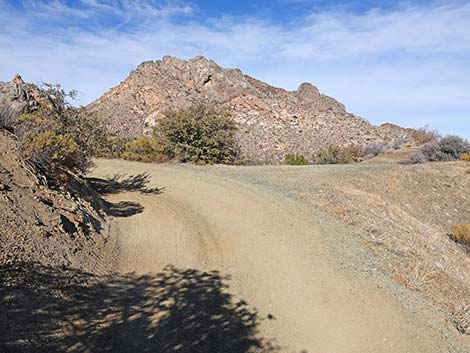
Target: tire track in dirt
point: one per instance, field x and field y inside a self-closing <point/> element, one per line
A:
<point x="273" y="250"/>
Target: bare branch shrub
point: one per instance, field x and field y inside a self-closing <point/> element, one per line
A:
<point x="372" y="149"/>
<point x="423" y="135"/>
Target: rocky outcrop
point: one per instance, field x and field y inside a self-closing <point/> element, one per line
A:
<point x="19" y="95"/>
<point x="273" y="121"/>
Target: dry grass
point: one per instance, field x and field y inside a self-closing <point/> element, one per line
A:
<point x="465" y="157"/>
<point x="461" y="318"/>
<point x="419" y="277"/>
<point x="461" y="233"/>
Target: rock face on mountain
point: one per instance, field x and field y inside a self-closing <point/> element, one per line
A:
<point x="19" y="95"/>
<point x="273" y="121"/>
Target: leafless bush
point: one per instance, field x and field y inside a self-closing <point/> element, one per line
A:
<point x="372" y="149"/>
<point x="423" y="135"/>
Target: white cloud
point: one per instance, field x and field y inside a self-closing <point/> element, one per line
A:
<point x="408" y="65"/>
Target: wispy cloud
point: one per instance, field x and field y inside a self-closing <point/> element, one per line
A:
<point x="408" y="64"/>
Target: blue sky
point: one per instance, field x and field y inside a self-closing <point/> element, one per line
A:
<point x="387" y="61"/>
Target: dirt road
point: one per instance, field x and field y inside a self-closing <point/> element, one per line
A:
<point x="278" y="252"/>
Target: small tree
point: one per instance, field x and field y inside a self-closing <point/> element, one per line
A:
<point x="202" y="133"/>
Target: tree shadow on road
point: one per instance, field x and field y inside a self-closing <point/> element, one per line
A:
<point x="119" y="183"/>
<point x="45" y="309"/>
<point x="123" y="208"/>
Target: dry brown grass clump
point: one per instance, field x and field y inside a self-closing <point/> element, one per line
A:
<point x="465" y="157"/>
<point x="461" y="318"/>
<point x="461" y="233"/>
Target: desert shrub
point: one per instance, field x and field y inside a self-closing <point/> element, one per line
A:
<point x="144" y="149"/>
<point x="415" y="158"/>
<point x="56" y="138"/>
<point x="396" y="145"/>
<point x="7" y="117"/>
<point x="56" y="114"/>
<point x="423" y="135"/>
<point x="461" y="233"/>
<point x="202" y="133"/>
<point x="112" y="147"/>
<point x="88" y="131"/>
<point x="295" y="159"/>
<point x="337" y="155"/>
<point x="449" y="148"/>
<point x="454" y="146"/>
<point x="372" y="149"/>
<point x="55" y="156"/>
<point x="433" y="153"/>
<point x="465" y="157"/>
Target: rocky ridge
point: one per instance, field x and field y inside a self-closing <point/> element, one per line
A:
<point x="273" y="121"/>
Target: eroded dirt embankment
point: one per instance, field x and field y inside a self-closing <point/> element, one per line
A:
<point x="282" y="258"/>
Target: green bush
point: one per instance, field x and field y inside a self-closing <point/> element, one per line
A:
<point x="202" y="133"/>
<point x="144" y="149"/>
<point x="337" y="155"/>
<point x="295" y="159"/>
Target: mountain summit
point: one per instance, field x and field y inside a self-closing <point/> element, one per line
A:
<point x="273" y="121"/>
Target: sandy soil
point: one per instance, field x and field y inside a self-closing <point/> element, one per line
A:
<point x="282" y="258"/>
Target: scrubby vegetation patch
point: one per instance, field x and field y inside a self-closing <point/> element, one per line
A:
<point x="448" y="148"/>
<point x="202" y="133"/>
<point x="295" y="159"/>
<point x="337" y="155"/>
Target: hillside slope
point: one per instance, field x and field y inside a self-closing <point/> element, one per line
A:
<point x="272" y="121"/>
<point x="51" y="227"/>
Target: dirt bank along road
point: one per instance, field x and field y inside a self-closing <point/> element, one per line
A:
<point x="277" y="253"/>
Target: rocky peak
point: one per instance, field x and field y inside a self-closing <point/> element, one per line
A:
<point x="273" y="121"/>
<point x="18" y="94"/>
<point x="307" y="91"/>
<point x="18" y="80"/>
